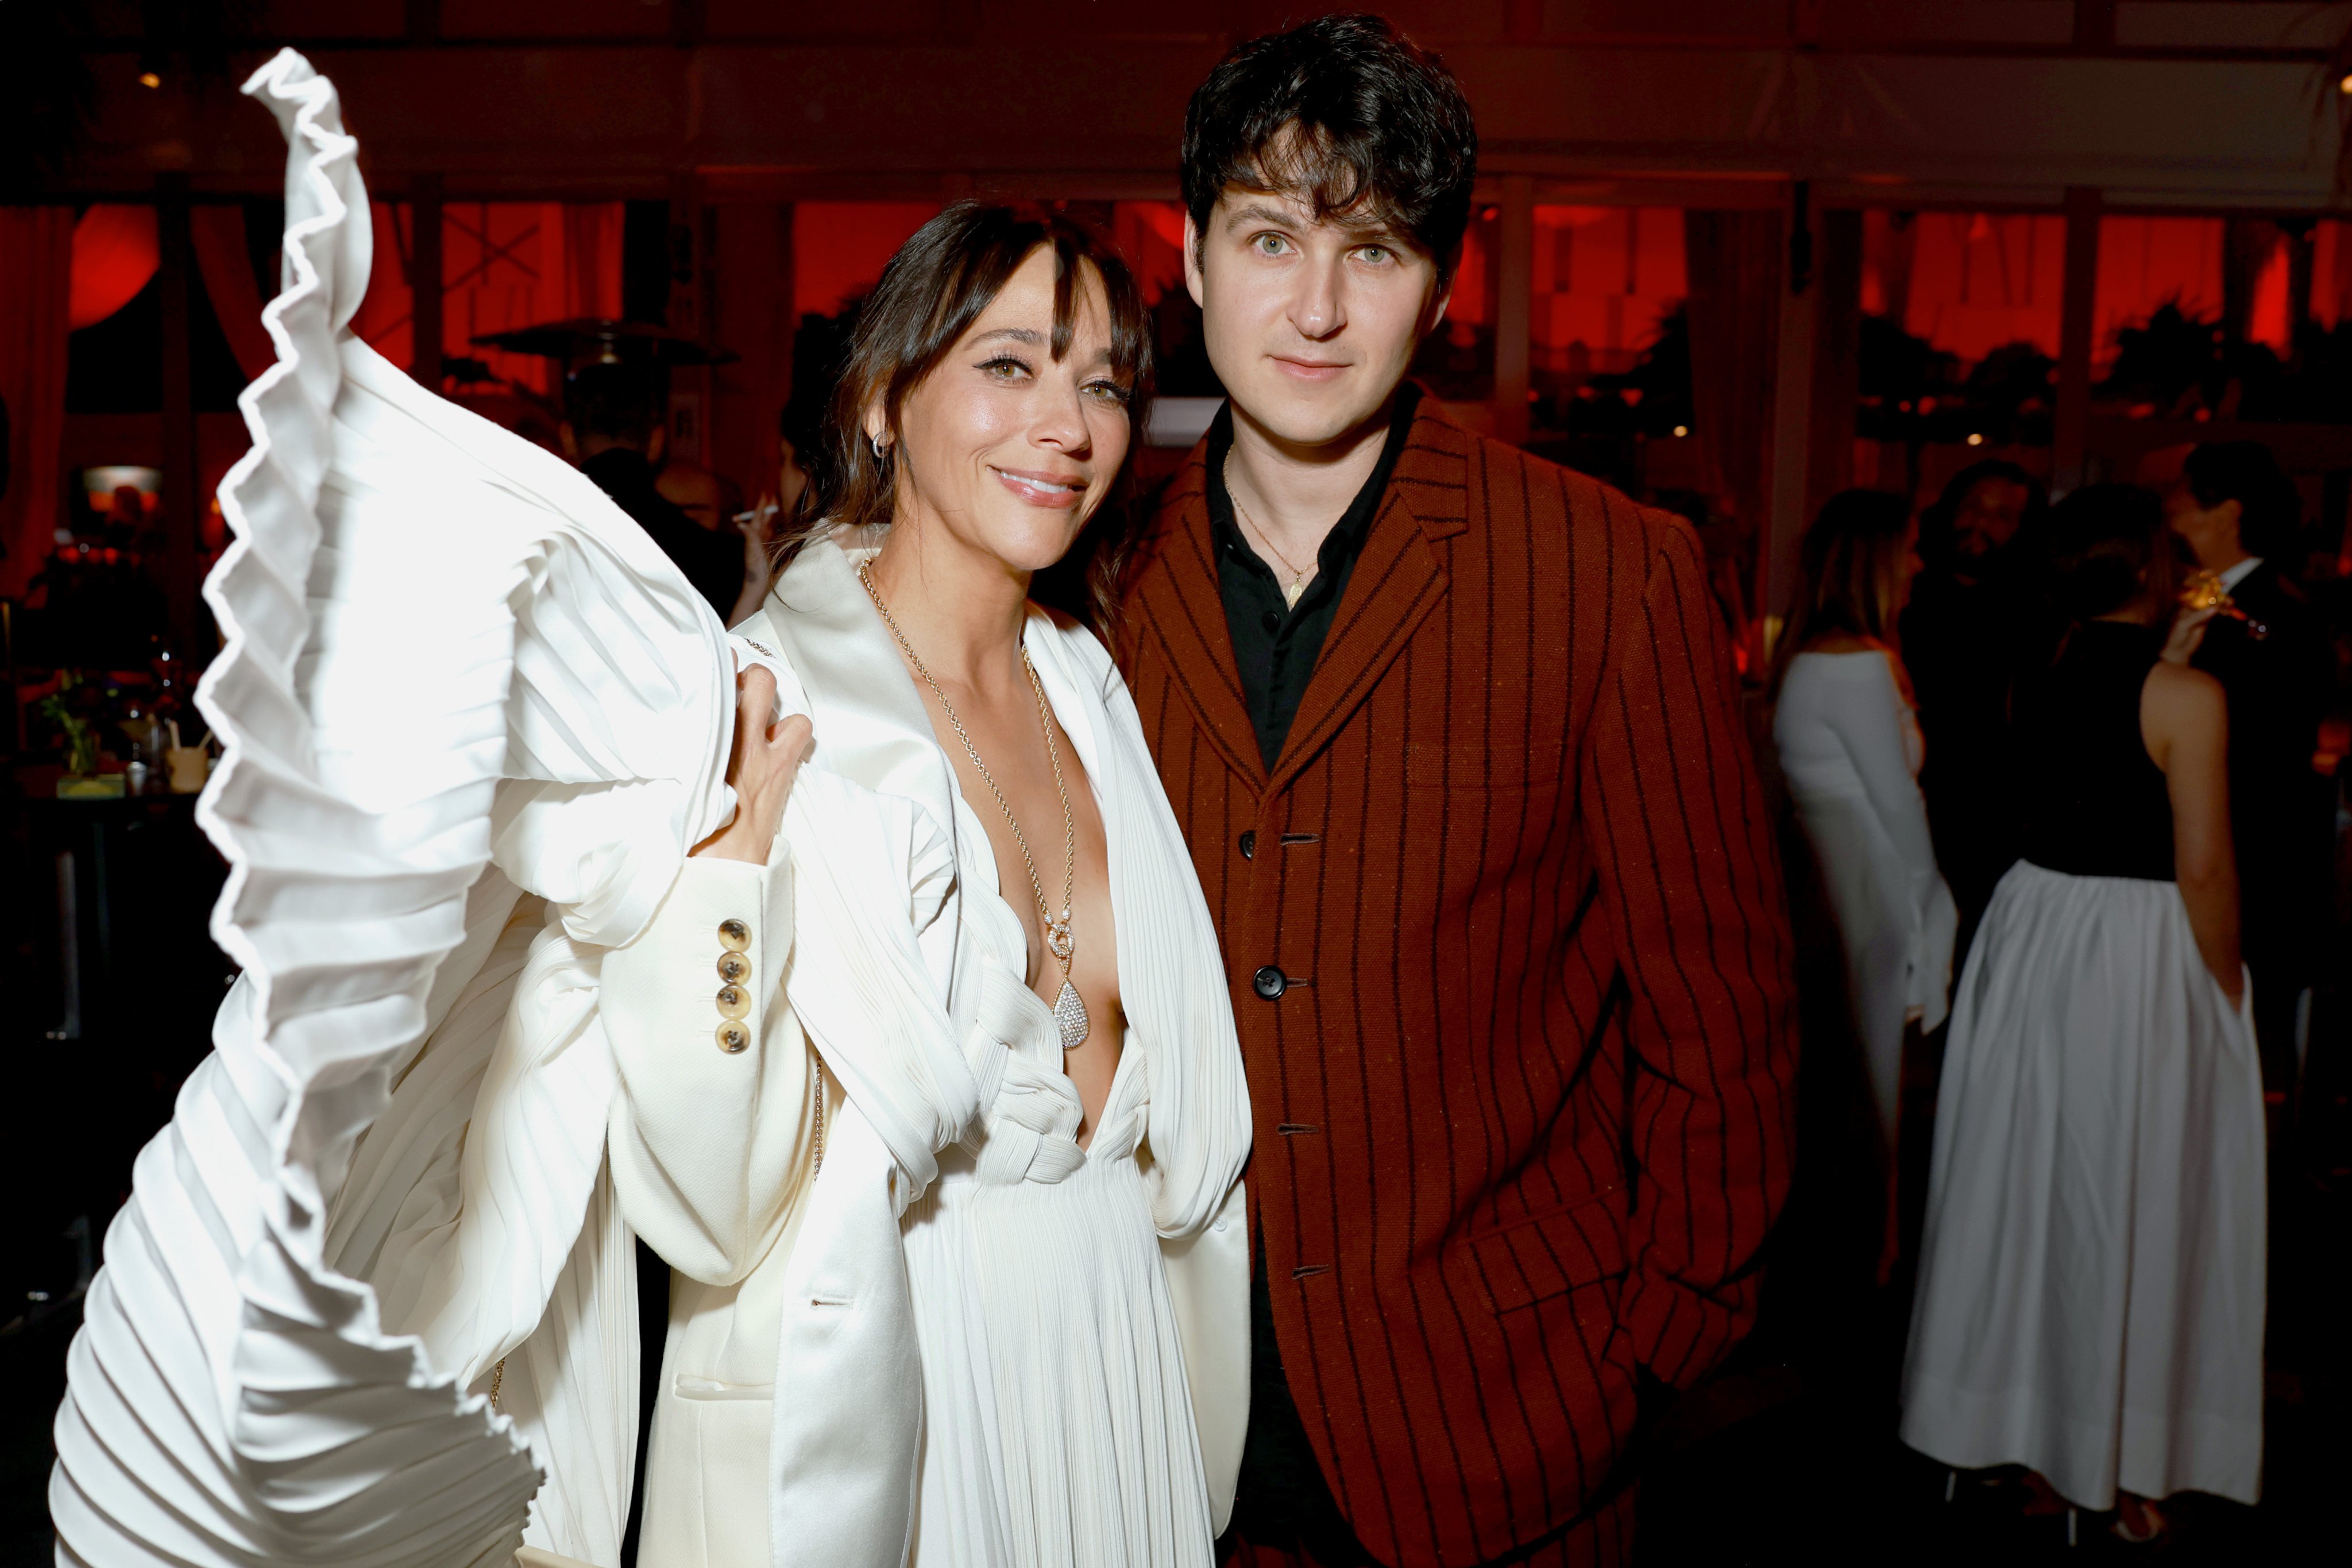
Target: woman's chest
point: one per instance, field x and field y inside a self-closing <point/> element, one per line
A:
<point x="1036" y="863"/>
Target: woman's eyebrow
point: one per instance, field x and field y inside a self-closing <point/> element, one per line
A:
<point x="1017" y="334"/>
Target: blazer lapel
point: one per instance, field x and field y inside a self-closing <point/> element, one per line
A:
<point x="871" y="725"/>
<point x="1184" y="609"/>
<point x="1397" y="581"/>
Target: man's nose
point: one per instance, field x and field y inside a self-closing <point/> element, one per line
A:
<point x="1317" y="310"/>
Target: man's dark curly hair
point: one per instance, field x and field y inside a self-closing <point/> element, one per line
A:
<point x="1346" y="113"/>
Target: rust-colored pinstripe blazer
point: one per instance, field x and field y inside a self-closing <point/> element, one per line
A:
<point x="1524" y="1098"/>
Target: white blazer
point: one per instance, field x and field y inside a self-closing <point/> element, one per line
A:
<point x="791" y="1355"/>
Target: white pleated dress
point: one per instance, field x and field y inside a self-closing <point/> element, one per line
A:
<point x="2091" y="1282"/>
<point x="1058" y="1431"/>
<point x="1062" y="1425"/>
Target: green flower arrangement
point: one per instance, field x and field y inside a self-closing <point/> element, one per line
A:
<point x="80" y="734"/>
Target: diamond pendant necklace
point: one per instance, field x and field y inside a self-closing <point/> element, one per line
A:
<point x="1297" y="583"/>
<point x="1069" y="1009"/>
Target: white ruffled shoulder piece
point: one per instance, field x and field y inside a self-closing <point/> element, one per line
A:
<point x="473" y="722"/>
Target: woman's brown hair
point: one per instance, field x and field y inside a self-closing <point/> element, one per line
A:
<point x="2109" y="548"/>
<point x="1852" y="563"/>
<point x="932" y="292"/>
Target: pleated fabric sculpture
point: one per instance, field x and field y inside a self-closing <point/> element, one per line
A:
<point x="473" y="720"/>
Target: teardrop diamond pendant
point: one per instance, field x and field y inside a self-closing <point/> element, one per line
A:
<point x="1070" y="1012"/>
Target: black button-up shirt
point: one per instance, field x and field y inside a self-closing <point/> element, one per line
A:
<point x="1275" y="644"/>
<point x="1283" y="1500"/>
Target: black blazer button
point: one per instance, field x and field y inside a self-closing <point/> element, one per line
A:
<point x="1269" y="983"/>
<point x="1249" y="845"/>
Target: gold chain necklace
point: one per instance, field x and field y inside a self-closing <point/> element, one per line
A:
<point x="1297" y="578"/>
<point x="1069" y="1009"/>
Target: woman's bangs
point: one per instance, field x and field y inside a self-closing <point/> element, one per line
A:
<point x="1065" y="294"/>
<point x="1130" y="327"/>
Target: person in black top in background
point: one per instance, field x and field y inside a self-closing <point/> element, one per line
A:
<point x="614" y="429"/>
<point x="2238" y="512"/>
<point x="2090" y="1303"/>
<point x="1973" y="626"/>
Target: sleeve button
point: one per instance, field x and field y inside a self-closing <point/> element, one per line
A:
<point x="734" y="968"/>
<point x="734" y="1037"/>
<point x="734" y="935"/>
<point x="734" y="1001"/>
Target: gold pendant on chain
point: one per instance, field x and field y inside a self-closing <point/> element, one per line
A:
<point x="1290" y="595"/>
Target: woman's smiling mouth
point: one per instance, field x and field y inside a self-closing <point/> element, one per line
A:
<point x="1039" y="488"/>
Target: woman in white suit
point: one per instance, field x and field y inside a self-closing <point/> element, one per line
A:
<point x="982" y="419"/>
<point x="543" y="945"/>
<point x="1849" y="747"/>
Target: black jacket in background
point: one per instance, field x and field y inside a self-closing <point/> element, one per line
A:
<point x="1966" y="645"/>
<point x="712" y="561"/>
<point x="2281" y="812"/>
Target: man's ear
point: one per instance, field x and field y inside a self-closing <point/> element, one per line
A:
<point x="1192" y="259"/>
<point x="1442" y="297"/>
<point x="569" y="439"/>
<point x="656" y="444"/>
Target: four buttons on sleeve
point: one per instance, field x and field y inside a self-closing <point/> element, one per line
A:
<point x="734" y="1035"/>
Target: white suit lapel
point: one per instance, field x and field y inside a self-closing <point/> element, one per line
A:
<point x="871" y="725"/>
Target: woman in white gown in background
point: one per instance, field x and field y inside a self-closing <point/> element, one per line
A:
<point x="2091" y="1275"/>
<point x="540" y="947"/>
<point x="1849" y="747"/>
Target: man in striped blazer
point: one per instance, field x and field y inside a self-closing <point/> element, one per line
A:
<point x="1452" y="733"/>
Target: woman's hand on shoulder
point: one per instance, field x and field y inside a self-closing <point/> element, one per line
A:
<point x="2187" y="632"/>
<point x="760" y="767"/>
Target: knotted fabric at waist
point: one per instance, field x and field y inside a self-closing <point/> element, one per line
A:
<point x="1029" y="1131"/>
